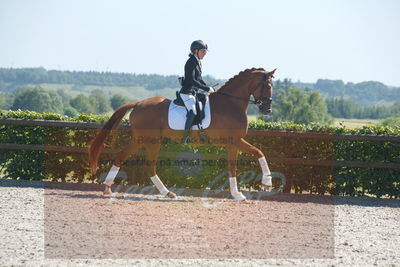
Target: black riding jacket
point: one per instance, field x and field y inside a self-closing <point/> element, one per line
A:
<point x="193" y="79"/>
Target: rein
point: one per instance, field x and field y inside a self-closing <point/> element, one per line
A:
<point x="256" y="101"/>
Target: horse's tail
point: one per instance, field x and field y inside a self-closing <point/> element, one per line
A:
<point x="97" y="144"/>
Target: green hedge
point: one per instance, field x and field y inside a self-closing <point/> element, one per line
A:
<point x="180" y="167"/>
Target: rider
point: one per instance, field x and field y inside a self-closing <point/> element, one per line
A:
<point x="192" y="82"/>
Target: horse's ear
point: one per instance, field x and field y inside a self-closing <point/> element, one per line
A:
<point x="271" y="74"/>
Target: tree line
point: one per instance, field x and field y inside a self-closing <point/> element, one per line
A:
<point x="41" y="100"/>
<point x="368" y="93"/>
<point x="291" y="104"/>
<point x="345" y="108"/>
<point x="292" y="101"/>
<point x="40" y="75"/>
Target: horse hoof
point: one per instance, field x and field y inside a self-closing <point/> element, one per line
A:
<point x="171" y="195"/>
<point x="240" y="197"/>
<point x="107" y="191"/>
<point x="266" y="182"/>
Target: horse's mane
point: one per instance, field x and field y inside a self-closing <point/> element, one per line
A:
<point x="239" y="76"/>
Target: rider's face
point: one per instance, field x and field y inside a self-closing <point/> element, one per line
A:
<point x="201" y="53"/>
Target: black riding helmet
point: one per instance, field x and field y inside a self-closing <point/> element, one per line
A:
<point x="197" y="45"/>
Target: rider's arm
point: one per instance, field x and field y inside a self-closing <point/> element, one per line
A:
<point x="202" y="81"/>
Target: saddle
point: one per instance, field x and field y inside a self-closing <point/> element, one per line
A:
<point x="200" y="104"/>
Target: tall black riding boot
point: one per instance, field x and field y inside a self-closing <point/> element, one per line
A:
<point x="189" y="121"/>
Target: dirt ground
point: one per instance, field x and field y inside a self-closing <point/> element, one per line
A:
<point x="55" y="224"/>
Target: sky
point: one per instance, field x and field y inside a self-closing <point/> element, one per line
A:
<point x="349" y="40"/>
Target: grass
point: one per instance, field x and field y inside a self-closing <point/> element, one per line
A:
<point x="354" y="123"/>
<point x="349" y="123"/>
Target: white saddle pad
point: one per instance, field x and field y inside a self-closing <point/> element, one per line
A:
<point x="177" y="117"/>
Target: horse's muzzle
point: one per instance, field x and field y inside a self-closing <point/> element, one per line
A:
<point x="265" y="110"/>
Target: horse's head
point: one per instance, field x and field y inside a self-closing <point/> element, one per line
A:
<point x="261" y="90"/>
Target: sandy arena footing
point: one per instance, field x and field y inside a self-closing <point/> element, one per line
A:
<point x="61" y="224"/>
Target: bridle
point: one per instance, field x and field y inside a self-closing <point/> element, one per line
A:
<point x="262" y="100"/>
<point x="257" y="101"/>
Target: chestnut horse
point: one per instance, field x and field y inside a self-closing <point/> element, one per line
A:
<point x="149" y="118"/>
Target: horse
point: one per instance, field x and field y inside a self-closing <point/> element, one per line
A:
<point x="149" y="118"/>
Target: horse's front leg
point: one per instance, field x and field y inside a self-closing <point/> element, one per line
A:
<point x="248" y="148"/>
<point x="232" y="158"/>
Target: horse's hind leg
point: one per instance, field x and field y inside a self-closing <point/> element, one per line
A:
<point x="232" y="158"/>
<point x="152" y="152"/>
<point x="121" y="157"/>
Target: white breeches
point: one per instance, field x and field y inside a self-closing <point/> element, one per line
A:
<point x="190" y="102"/>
